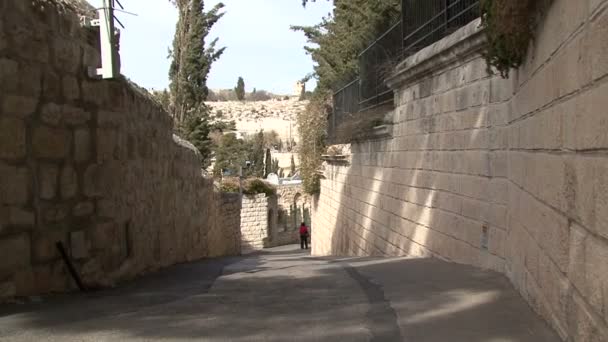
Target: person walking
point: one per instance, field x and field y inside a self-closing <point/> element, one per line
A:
<point x="303" y="236"/>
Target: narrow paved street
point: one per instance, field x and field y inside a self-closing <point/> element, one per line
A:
<point x="286" y="295"/>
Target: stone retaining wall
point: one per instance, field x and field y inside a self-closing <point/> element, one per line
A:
<point x="510" y="174"/>
<point x="92" y="164"/>
<point x="255" y="230"/>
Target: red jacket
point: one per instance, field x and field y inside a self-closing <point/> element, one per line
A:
<point x="303" y="230"/>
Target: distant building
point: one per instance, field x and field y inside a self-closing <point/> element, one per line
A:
<point x="299" y="88"/>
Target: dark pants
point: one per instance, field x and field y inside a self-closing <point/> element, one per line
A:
<point x="304" y="241"/>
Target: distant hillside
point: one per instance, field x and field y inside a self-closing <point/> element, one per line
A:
<point x="222" y="95"/>
<point x="251" y="117"/>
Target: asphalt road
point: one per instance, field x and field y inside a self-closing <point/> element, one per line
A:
<point x="286" y="295"/>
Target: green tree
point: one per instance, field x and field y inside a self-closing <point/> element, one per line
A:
<point x="268" y="163"/>
<point x="198" y="134"/>
<point x="163" y="98"/>
<point x="223" y="126"/>
<point x="257" y="155"/>
<point x="271" y="139"/>
<point x="240" y="89"/>
<point x="293" y="166"/>
<point x="334" y="47"/>
<point x="275" y="166"/>
<point x="190" y="67"/>
<point x="230" y="154"/>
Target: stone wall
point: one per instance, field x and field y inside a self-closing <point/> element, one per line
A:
<point x="273" y="221"/>
<point x="510" y="174"/>
<point x="254" y="222"/>
<point x="92" y="164"/>
<point x="225" y="234"/>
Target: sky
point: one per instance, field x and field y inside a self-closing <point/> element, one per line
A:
<point x="260" y="46"/>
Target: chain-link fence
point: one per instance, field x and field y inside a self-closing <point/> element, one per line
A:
<point x="427" y="21"/>
<point x="423" y="23"/>
<point x="375" y="64"/>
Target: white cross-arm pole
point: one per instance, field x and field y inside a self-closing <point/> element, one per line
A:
<point x="107" y="38"/>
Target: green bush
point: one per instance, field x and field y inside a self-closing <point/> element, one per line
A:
<point x="230" y="185"/>
<point x="250" y="186"/>
<point x="509" y="27"/>
<point x="258" y="186"/>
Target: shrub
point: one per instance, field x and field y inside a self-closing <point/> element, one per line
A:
<point x="312" y="124"/>
<point x="509" y="26"/>
<point x="230" y="185"/>
<point x="250" y="186"/>
<point x="258" y="186"/>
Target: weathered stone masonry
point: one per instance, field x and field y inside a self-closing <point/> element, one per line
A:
<point x="255" y="226"/>
<point x="273" y="221"/>
<point x="506" y="174"/>
<point x="92" y="164"/>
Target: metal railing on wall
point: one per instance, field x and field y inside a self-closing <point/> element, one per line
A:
<point x="346" y="103"/>
<point x="423" y="23"/>
<point x="428" y="21"/>
<point x="376" y="62"/>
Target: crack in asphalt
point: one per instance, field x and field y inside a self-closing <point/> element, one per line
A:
<point x="381" y="316"/>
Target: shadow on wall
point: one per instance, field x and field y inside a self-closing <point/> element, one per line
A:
<point x="391" y="211"/>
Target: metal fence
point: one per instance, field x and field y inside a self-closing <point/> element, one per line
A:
<point x="423" y="23"/>
<point x="375" y="63"/>
<point x="428" y="21"/>
<point x="346" y="103"/>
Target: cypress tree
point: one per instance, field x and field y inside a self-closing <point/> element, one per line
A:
<point x="268" y="164"/>
<point x="335" y="45"/>
<point x="240" y="89"/>
<point x="190" y="67"/>
<point x="257" y="155"/>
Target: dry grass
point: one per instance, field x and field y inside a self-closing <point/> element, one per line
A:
<point x="357" y="125"/>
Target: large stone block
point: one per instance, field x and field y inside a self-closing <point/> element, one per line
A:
<point x="82" y="145"/>
<point x="69" y="182"/>
<point x="583" y="322"/>
<point x="596" y="46"/>
<point x="15" y="253"/>
<point x="53" y="213"/>
<point x="587" y="192"/>
<point x="51" y="114"/>
<point x="48" y="179"/>
<point x="43" y="243"/>
<point x="92" y="181"/>
<point x="14" y="184"/>
<point x="78" y="245"/>
<point x="548" y="227"/>
<point x="542" y="131"/>
<point x="12" y="138"/>
<point x="571" y="66"/>
<point x="21" y="106"/>
<point x="66" y="54"/>
<point x="75" y="116"/>
<point x="589" y="269"/>
<point x="7" y="288"/>
<point x="51" y="85"/>
<point x="83" y="209"/>
<point x="21" y="217"/>
<point x="586" y="122"/>
<point x="48" y="142"/>
<point x="71" y="90"/>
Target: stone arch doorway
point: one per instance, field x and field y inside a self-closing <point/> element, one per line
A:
<point x="300" y="210"/>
